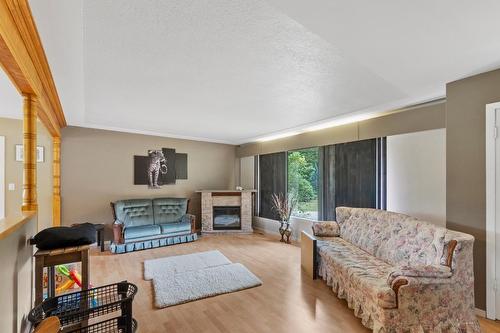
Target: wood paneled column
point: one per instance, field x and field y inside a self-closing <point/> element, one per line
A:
<point x="56" y="174"/>
<point x="29" y="142"/>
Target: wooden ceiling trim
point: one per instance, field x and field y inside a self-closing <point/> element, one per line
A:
<point x="12" y="69"/>
<point x="23" y="58"/>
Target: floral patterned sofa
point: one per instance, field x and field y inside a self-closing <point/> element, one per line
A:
<point x="397" y="273"/>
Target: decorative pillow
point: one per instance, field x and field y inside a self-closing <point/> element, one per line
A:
<point x="326" y="229"/>
<point x="60" y="237"/>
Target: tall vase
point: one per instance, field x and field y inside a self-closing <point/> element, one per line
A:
<point x="288" y="232"/>
<point x="282" y="230"/>
<point x="285" y="231"/>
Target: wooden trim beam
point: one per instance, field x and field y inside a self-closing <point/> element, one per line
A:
<point x="12" y="70"/>
<point x="56" y="172"/>
<point x="29" y="142"/>
<point x="23" y="59"/>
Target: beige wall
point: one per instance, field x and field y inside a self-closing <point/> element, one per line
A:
<point x="465" y="155"/>
<point x="247" y="172"/>
<point x="12" y="129"/>
<point x="16" y="275"/>
<point x="16" y="278"/>
<point x="416" y="175"/>
<point x="420" y="118"/>
<point x="97" y="168"/>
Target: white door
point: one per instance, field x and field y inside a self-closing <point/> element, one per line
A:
<point x="497" y="212"/>
<point x="493" y="211"/>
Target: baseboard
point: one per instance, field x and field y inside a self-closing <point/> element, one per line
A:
<point x="266" y="231"/>
<point x="480" y="313"/>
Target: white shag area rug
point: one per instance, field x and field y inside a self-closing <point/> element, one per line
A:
<point x="183" y="263"/>
<point x="187" y="278"/>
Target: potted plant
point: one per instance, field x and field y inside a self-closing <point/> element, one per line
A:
<point x="284" y="206"/>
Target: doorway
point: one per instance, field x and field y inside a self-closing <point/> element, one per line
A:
<point x="492" y="211"/>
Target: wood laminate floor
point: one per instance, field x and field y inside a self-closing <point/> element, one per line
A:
<point x="288" y="300"/>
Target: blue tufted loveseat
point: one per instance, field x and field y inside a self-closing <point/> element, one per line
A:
<point x="148" y="223"/>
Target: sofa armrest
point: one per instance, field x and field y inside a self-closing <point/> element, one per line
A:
<point x="191" y="219"/>
<point x="422" y="271"/>
<point x="308" y="254"/>
<point x="409" y="290"/>
<point x="326" y="229"/>
<point x="118" y="233"/>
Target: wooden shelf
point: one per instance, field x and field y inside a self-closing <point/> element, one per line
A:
<point x="10" y="224"/>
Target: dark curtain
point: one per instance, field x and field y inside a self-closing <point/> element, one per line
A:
<point x="381" y="173"/>
<point x="272" y="172"/>
<point x="328" y="196"/>
<point x="354" y="176"/>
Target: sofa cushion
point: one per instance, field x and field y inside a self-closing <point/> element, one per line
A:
<point x="169" y="210"/>
<point x="141" y="231"/>
<point x="325" y="229"/>
<point x="358" y="271"/>
<point x="134" y="212"/>
<point x="169" y="228"/>
<point x="395" y="238"/>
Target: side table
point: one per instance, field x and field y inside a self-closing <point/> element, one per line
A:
<point x="100" y="235"/>
<point x="99" y="228"/>
<point x="52" y="258"/>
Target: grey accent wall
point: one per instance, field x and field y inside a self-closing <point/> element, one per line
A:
<point x="466" y="164"/>
<point x="97" y="168"/>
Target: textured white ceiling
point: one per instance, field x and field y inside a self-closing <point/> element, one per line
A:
<point x="234" y="70"/>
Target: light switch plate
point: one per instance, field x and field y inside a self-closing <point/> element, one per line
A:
<point x="12" y="187"/>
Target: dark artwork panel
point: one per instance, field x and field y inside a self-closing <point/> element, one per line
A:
<point x="181" y="166"/>
<point x="272" y="180"/>
<point x="169" y="176"/>
<point x="141" y="164"/>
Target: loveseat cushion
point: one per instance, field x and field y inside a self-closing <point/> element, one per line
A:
<point x="134" y="212"/>
<point x="358" y="273"/>
<point x="141" y="231"/>
<point x="169" y="210"/>
<point x="395" y="238"/>
<point x="170" y="228"/>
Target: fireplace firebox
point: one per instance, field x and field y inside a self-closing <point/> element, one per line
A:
<point x="227" y="218"/>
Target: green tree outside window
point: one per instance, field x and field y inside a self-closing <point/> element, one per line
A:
<point x="303" y="181"/>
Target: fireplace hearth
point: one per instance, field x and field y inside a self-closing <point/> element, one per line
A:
<point x="227" y="218"/>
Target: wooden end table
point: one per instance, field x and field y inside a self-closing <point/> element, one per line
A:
<point x="100" y="235"/>
<point x="99" y="228"/>
<point x="52" y="258"/>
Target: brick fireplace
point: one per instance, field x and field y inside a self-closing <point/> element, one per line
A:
<point x="226" y="211"/>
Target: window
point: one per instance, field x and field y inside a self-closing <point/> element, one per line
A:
<point x="303" y="181"/>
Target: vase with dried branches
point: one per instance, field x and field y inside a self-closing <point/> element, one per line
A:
<point x="284" y="205"/>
